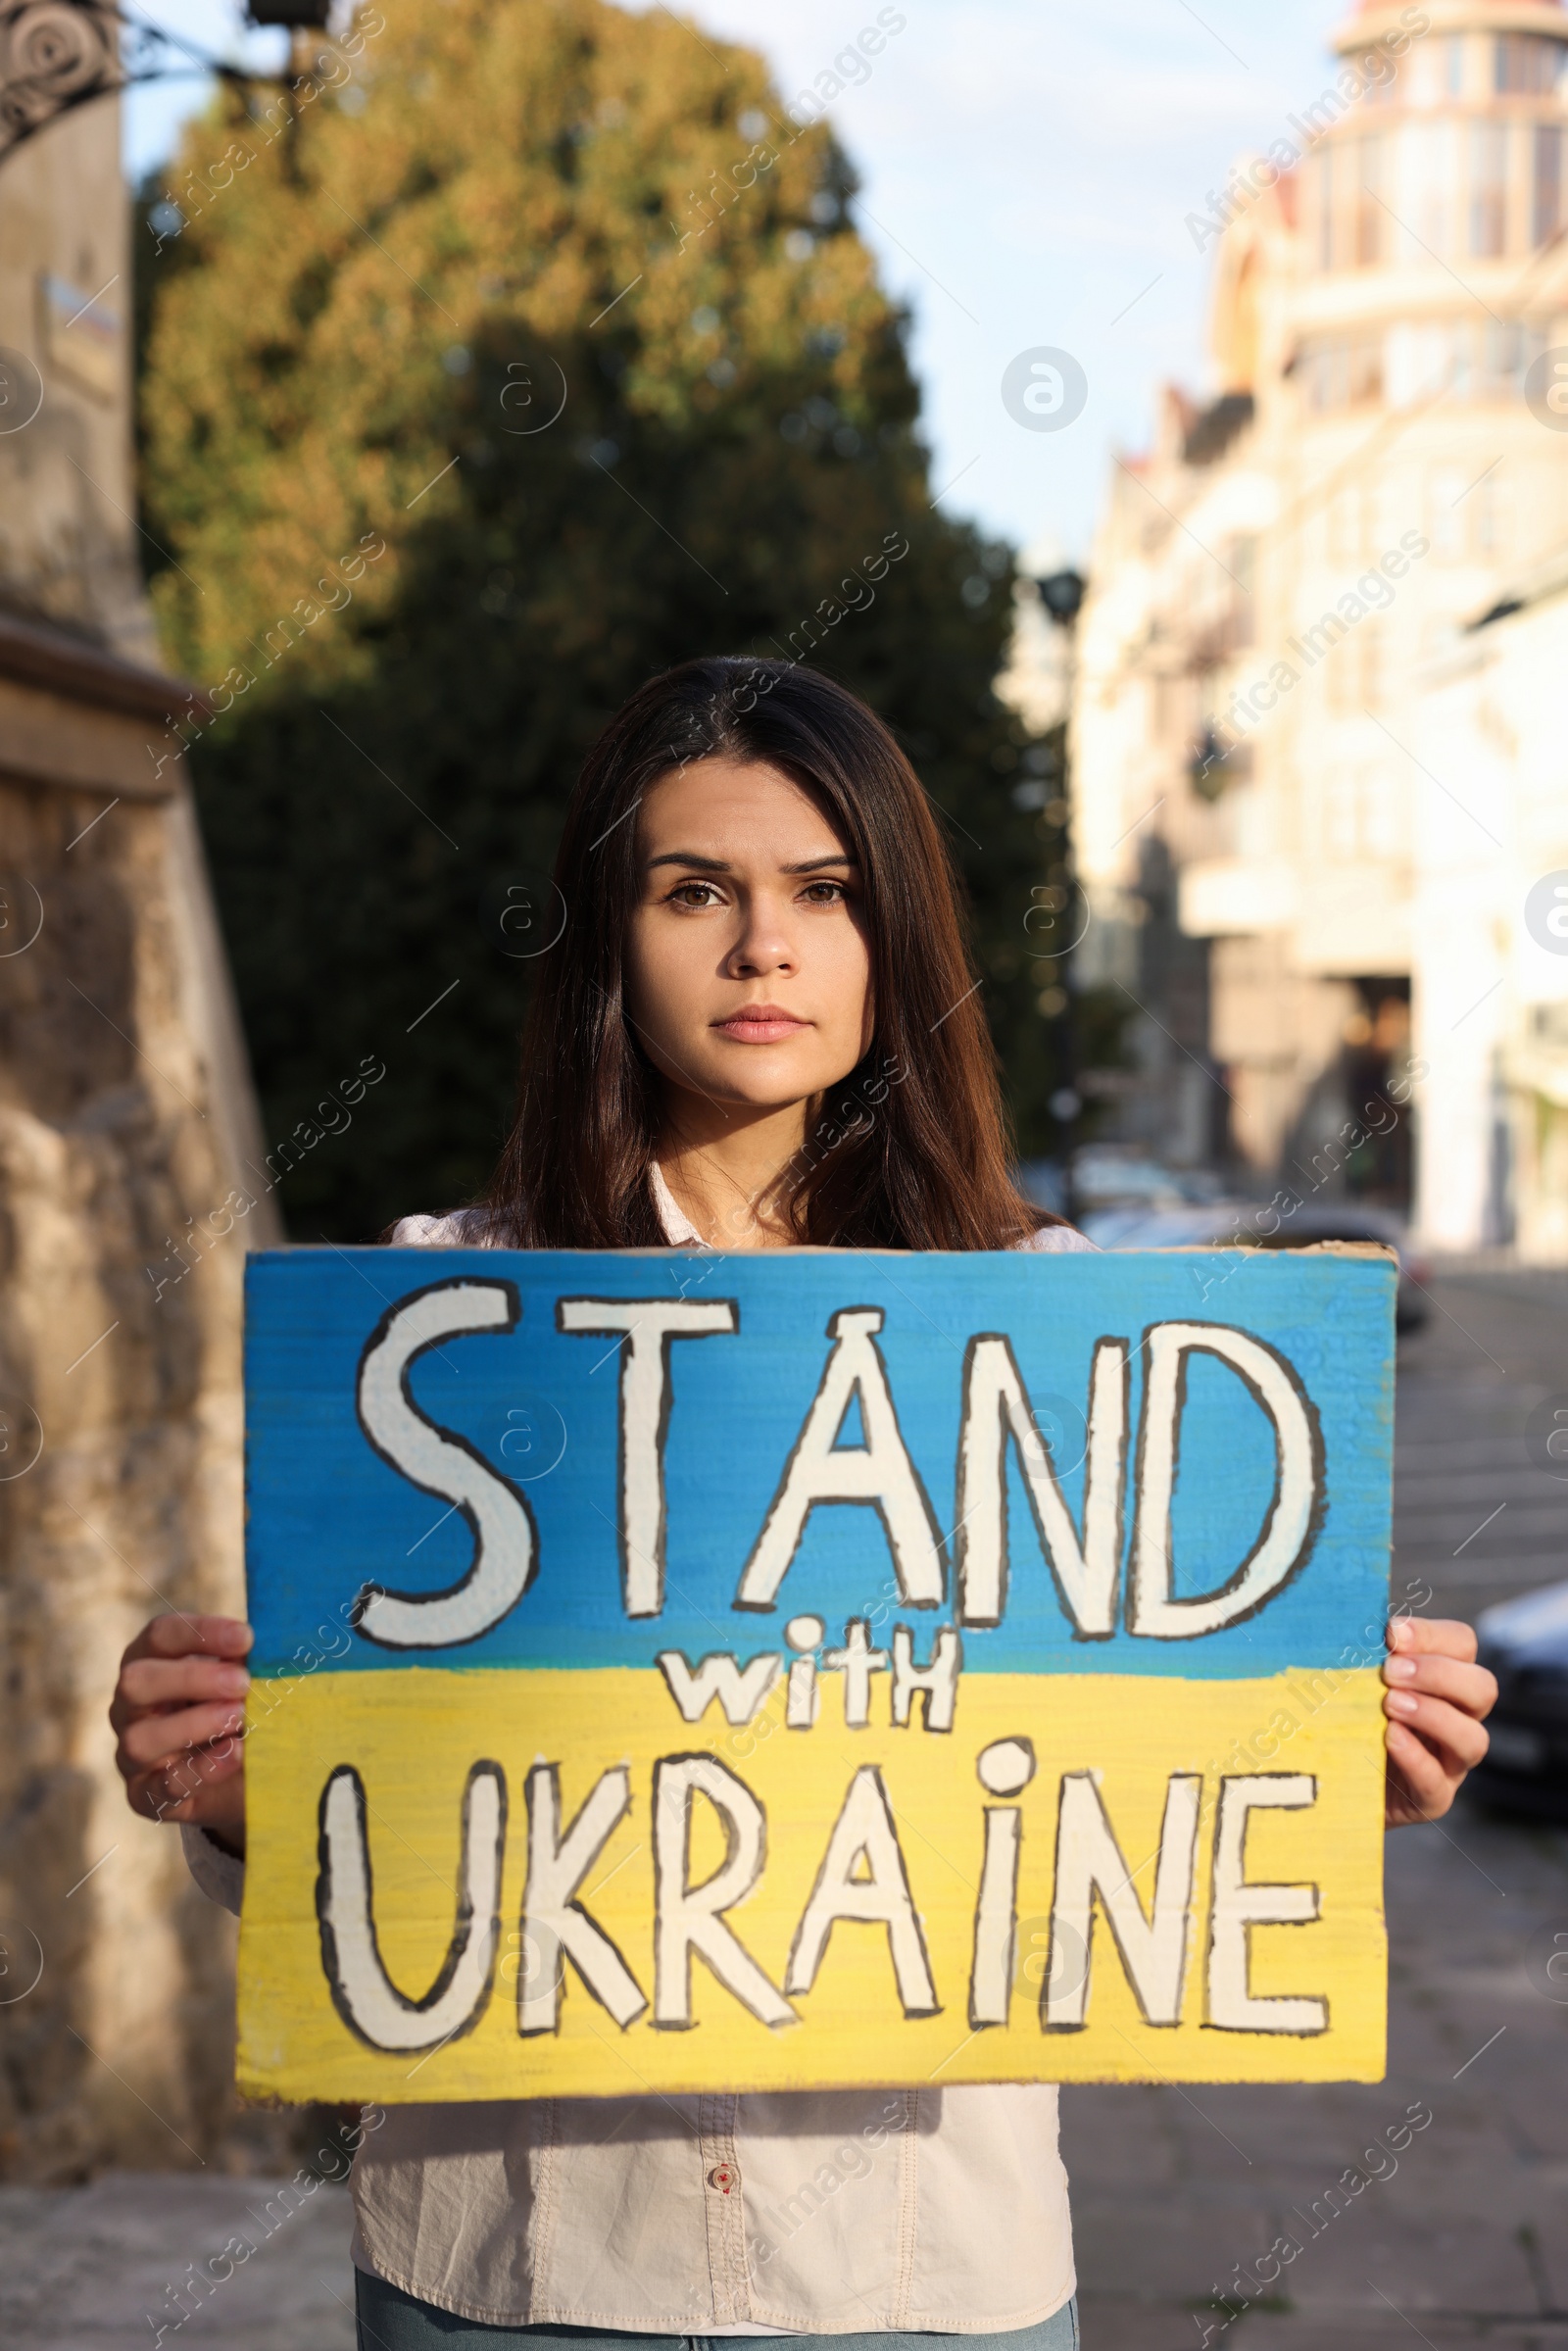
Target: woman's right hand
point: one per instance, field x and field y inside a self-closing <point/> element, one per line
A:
<point x="179" y="1712"/>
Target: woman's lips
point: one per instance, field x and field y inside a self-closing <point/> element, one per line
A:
<point x="761" y="1024"/>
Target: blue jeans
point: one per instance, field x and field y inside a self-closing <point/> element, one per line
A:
<point x="389" y="2319"/>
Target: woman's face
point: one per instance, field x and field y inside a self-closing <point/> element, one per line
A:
<point x="749" y="969"/>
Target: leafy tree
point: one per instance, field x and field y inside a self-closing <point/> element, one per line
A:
<point x="415" y="591"/>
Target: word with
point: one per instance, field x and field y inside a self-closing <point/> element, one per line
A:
<point x="849" y="2161"/>
<point x="851" y="65"/>
<point x="994" y="1411"/>
<point x="204" y="710"/>
<point x="1247" y="2288"/>
<point x="345" y="2142"/>
<point x="1374" y="68"/>
<point x="1372" y="593"/>
<point x="863" y="1876"/>
<point x="305" y="1137"/>
<point x="743" y="1690"/>
<point x="172" y="215"/>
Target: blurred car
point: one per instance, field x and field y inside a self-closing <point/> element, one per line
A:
<point x="1255" y="1224"/>
<point x="1108" y="1176"/>
<point x="1525" y="1643"/>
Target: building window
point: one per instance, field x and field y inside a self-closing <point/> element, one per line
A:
<point x="1488" y="189"/>
<point x="1446" y="516"/>
<point x="1369" y="213"/>
<point x="1344" y="525"/>
<point x="1431" y="172"/>
<point x="1545" y="209"/>
<point x="1488" y="519"/>
<point x="1524" y="64"/>
<point x="1342" y="371"/>
<point x="1508" y="351"/>
<point x="1325" y="208"/>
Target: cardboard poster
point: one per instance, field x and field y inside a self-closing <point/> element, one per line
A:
<point x="682" y="1672"/>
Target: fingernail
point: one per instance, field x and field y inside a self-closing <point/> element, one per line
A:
<point x="1400" y="1702"/>
<point x="1400" y="1632"/>
<point x="1401" y="1668"/>
<point x="234" y="1682"/>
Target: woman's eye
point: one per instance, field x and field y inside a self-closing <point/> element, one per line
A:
<point x="693" y="894"/>
<point x="823" y="894"/>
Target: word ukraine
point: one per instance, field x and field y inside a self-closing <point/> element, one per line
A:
<point x="817" y="1619"/>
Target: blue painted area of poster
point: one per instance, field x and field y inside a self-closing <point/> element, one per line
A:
<point x="540" y="1405"/>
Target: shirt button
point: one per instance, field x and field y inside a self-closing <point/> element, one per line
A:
<point x="724" y="2176"/>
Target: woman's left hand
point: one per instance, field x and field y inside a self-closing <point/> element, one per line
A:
<point x="1437" y="1699"/>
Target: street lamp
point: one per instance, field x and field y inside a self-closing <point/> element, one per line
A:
<point x="1062" y="595"/>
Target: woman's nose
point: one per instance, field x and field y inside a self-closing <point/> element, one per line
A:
<point x="765" y="942"/>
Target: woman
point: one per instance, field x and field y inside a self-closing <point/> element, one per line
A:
<point x="760" y="1030"/>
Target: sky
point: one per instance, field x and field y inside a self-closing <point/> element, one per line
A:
<point x="1028" y="169"/>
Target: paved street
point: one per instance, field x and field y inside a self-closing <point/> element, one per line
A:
<point x="1464" y="2239"/>
<point x="1467" y="2241"/>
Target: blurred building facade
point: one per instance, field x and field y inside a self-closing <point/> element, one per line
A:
<point x="126" y="1134"/>
<point x="1312" y="785"/>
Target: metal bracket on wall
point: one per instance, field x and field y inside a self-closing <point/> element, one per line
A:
<point x="56" y="55"/>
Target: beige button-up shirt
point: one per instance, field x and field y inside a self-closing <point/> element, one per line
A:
<point x="825" y="2212"/>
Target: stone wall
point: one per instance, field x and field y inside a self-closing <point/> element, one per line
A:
<point x="126" y="1126"/>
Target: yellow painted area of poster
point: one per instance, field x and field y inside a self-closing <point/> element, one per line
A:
<point x="1109" y="1877"/>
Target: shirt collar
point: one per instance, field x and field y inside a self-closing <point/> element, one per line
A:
<point x="680" y="1230"/>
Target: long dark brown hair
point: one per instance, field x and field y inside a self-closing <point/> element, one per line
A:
<point x="910" y="1150"/>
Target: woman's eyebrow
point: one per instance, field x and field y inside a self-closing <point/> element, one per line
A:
<point x="705" y="864"/>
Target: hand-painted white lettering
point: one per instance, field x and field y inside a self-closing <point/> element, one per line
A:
<point x="555" y="1925"/>
<point x="995" y="1406"/>
<point x="1005" y="1769"/>
<point x="802" y="1695"/>
<point x="938" y="1681"/>
<point x="879" y="1472"/>
<point x="864" y="1838"/>
<point x="363" y="1993"/>
<point x="690" y="1918"/>
<point x="1294" y="1510"/>
<point x="505" y="1554"/>
<point x="1154" y="1950"/>
<point x="742" y="1690"/>
<point x="1237" y="1906"/>
<point x="647" y="1327"/>
<point x="996" y="1918"/>
<point x="856" y="1661"/>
